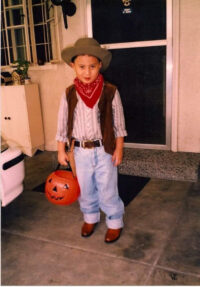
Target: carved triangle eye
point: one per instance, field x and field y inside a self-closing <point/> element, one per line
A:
<point x="50" y="180"/>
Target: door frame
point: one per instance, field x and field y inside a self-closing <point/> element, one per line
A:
<point x="169" y="61"/>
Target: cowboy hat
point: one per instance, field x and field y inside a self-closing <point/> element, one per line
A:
<point x="87" y="46"/>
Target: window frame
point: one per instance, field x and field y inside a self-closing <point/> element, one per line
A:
<point x="30" y="43"/>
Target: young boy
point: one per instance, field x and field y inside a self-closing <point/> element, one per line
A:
<point x="91" y="113"/>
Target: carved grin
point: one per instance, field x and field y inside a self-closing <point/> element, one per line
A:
<point x="55" y="197"/>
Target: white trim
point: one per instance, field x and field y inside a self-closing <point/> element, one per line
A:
<point x="83" y="16"/>
<point x="175" y="87"/>
<point x="32" y="34"/>
<point x="169" y="75"/>
<point x="38" y="4"/>
<point x="13" y="7"/>
<point x="146" y="146"/>
<point x="15" y="27"/>
<point x="135" y="44"/>
<point x="89" y="18"/>
<point x="47" y="66"/>
<point x="57" y="40"/>
<point x="43" y="9"/>
<point x="6" y="33"/>
<point x="27" y="41"/>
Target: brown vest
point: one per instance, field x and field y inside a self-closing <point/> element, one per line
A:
<point x="106" y="115"/>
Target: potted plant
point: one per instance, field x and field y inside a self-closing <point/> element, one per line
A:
<point x="20" y="74"/>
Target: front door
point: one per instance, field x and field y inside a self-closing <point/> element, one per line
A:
<point x="138" y="33"/>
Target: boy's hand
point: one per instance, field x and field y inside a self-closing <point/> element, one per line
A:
<point x="117" y="157"/>
<point x="62" y="155"/>
<point x="63" y="158"/>
<point x="118" y="153"/>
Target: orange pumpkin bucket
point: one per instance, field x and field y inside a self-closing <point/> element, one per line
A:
<point x="62" y="187"/>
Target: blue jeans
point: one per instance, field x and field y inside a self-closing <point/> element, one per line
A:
<point x="97" y="177"/>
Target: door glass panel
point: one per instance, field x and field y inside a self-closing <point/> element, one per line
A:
<point x="118" y="21"/>
<point x="140" y="75"/>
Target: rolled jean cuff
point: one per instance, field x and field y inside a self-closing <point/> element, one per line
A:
<point x="91" y="217"/>
<point x="115" y="223"/>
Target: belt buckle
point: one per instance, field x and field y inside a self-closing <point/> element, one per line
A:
<point x="83" y="143"/>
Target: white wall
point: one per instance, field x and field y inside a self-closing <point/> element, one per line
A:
<point x="189" y="77"/>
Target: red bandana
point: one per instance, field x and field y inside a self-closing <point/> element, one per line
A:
<point x="89" y="93"/>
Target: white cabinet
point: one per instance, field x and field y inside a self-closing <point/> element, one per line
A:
<point x="21" y="118"/>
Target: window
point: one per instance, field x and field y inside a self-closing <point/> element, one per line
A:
<point x="28" y="31"/>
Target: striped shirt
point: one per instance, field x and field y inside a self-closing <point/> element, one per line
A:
<point x="86" y="125"/>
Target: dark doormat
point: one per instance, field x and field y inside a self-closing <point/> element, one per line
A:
<point x="39" y="188"/>
<point x="129" y="187"/>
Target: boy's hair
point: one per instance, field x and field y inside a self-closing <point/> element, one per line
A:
<point x="74" y="58"/>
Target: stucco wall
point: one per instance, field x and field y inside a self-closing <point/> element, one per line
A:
<point x="189" y="77"/>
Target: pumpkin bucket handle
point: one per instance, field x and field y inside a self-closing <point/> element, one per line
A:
<point x="66" y="168"/>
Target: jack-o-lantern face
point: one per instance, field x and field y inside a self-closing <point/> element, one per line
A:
<point x="62" y="188"/>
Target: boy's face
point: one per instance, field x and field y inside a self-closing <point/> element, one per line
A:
<point x="86" y="68"/>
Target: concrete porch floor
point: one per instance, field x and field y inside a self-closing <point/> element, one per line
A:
<point x="160" y="244"/>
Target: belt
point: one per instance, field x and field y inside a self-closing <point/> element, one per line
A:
<point x="88" y="143"/>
